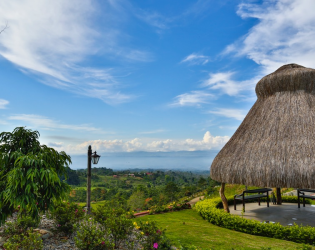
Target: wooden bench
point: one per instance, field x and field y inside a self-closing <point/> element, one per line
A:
<point x="256" y="194"/>
<point x="301" y="194"/>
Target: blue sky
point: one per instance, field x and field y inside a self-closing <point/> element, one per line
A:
<point x="155" y="76"/>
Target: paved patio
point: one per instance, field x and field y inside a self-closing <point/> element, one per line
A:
<point x="286" y="214"/>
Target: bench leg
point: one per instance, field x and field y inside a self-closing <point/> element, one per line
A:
<point x="259" y="201"/>
<point x="234" y="204"/>
<point x="243" y="205"/>
<point x="303" y="201"/>
<point x="267" y="200"/>
<point x="298" y="199"/>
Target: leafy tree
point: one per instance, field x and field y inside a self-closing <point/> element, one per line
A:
<point x="29" y="174"/>
<point x="73" y="177"/>
<point x="167" y="178"/>
<point x="202" y="182"/>
<point x="136" y="200"/>
<point x="171" y="190"/>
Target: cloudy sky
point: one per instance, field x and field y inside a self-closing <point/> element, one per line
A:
<point x="143" y="75"/>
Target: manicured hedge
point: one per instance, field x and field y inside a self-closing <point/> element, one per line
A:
<point x="165" y="209"/>
<point x="210" y="210"/>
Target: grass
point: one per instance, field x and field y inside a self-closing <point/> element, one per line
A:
<point x="94" y="205"/>
<point x="187" y="227"/>
<point x="83" y="188"/>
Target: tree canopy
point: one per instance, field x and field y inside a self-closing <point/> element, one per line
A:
<point x="29" y="173"/>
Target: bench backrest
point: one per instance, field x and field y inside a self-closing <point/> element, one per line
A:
<point x="306" y="190"/>
<point x="261" y="190"/>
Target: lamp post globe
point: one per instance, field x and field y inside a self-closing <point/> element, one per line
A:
<point x="94" y="158"/>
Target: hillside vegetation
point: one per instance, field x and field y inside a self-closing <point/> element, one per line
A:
<point x="137" y="189"/>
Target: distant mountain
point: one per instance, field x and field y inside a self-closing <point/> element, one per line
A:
<point x="182" y="160"/>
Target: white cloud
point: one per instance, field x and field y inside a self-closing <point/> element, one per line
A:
<point x="51" y="39"/>
<point x="153" y="131"/>
<point x="162" y="22"/>
<point x="237" y="114"/>
<point x="154" y="19"/>
<point x="284" y="34"/>
<point x="194" y="98"/>
<point x="223" y="81"/>
<point x="228" y="127"/>
<point x="49" y="124"/>
<point x="3" y="103"/>
<point x="55" y="144"/>
<point x="194" y="59"/>
<point x="208" y="142"/>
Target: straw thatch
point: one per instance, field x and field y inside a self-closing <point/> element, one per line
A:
<point x="275" y="144"/>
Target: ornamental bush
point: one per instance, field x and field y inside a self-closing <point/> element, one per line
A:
<point x="19" y="226"/>
<point x="65" y="215"/>
<point x="25" y="222"/>
<point x="11" y="228"/>
<point x="209" y="210"/>
<point x="26" y="241"/>
<point x="151" y="237"/>
<point x="172" y="207"/>
<point x="116" y="220"/>
<point x="92" y="235"/>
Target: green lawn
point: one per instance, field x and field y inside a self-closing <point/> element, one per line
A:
<point x="94" y="205"/>
<point x="83" y="188"/>
<point x="189" y="228"/>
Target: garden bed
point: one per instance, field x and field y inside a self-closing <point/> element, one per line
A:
<point x="210" y="210"/>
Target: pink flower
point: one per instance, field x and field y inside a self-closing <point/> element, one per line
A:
<point x="155" y="245"/>
<point x="103" y="243"/>
<point x="36" y="203"/>
<point x="158" y="231"/>
<point x="76" y="210"/>
<point x="83" y="210"/>
<point x="58" y="225"/>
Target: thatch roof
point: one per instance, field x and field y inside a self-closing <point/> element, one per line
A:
<point x="275" y="144"/>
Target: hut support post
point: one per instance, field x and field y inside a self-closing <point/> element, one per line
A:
<point x="223" y="198"/>
<point x="279" y="199"/>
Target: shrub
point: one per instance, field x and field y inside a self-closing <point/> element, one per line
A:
<point x="24" y="222"/>
<point x="26" y="241"/>
<point x="151" y="237"/>
<point x="91" y="235"/>
<point x="208" y="209"/>
<point x="10" y="228"/>
<point x="116" y="221"/>
<point x="66" y="215"/>
<point x="172" y="207"/>
<point x="19" y="226"/>
<point x="305" y="247"/>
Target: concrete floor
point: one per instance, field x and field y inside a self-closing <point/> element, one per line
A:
<point x="285" y="214"/>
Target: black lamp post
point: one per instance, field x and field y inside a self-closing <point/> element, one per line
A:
<point x="94" y="158"/>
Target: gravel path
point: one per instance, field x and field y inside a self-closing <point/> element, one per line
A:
<point x="195" y="200"/>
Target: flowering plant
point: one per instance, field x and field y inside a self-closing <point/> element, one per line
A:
<point x="92" y="235"/>
<point x="66" y="215"/>
<point x="116" y="221"/>
<point x="150" y="236"/>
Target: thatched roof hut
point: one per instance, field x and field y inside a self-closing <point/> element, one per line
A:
<point x="275" y="144"/>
